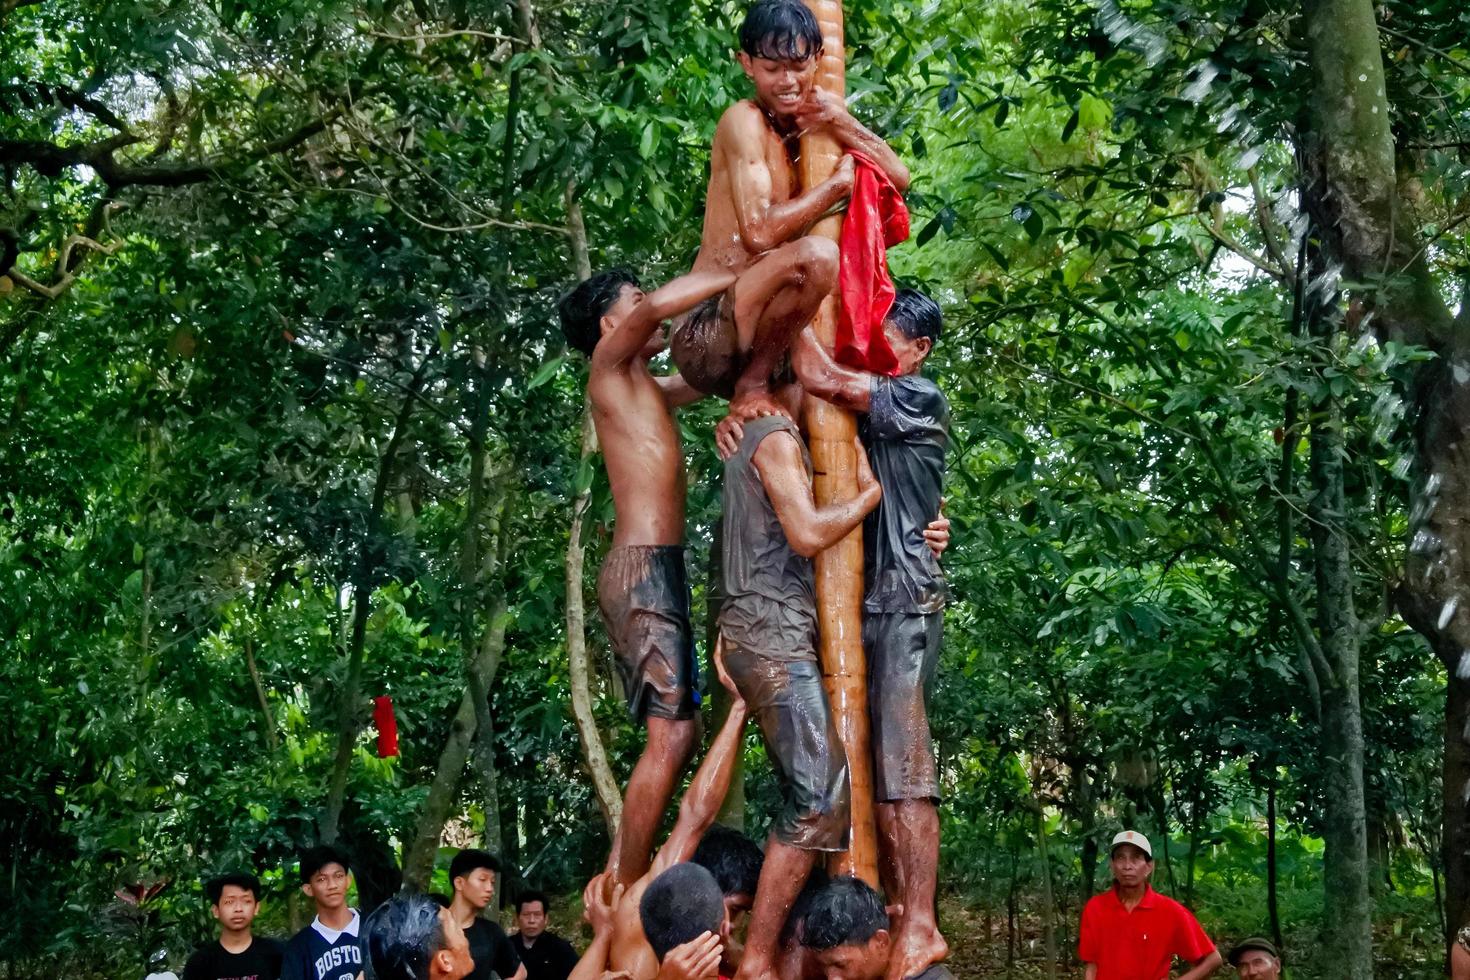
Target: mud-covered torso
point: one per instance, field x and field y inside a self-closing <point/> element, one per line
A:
<point x="644" y="458"/>
<point x="720" y="244"/>
<point x="770" y="590"/>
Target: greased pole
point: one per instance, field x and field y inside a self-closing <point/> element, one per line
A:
<point x="830" y="433"/>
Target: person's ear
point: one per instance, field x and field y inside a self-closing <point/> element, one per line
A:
<point x="441" y="964"/>
<point x="746" y="64"/>
<point x="306" y="889"/>
<point x="882" y="940"/>
<point x="923" y="346"/>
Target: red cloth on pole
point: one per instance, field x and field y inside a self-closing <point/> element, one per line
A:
<point x="386" y="725"/>
<point x="876" y="220"/>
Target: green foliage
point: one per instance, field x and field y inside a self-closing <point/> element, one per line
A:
<point x="324" y="243"/>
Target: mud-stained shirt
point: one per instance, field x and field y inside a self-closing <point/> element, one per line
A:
<point x="906" y="432"/>
<point x="770" y="593"/>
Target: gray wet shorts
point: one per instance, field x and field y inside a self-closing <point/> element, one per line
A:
<point x="903" y="652"/>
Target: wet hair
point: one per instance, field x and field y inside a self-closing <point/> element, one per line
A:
<point x="679" y="906"/>
<point x="215" y="887"/>
<point x="532" y="895"/>
<point x="401" y="936"/>
<point x="472" y="859"/>
<point x="313" y="859"/>
<point x="847" y="912"/>
<point x="916" y="315"/>
<point x="781" y="30"/>
<point x="734" y="859"/>
<point x="582" y="309"/>
<point x="815" y="882"/>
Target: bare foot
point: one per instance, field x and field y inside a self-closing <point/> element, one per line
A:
<point x="916" y="947"/>
<point x="756" y="402"/>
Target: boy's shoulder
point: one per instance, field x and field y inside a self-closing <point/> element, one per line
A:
<point x="740" y="116"/>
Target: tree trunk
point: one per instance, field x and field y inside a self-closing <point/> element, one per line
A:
<point x="1273" y="906"/>
<point x="1048" y="899"/>
<point x="594" y="754"/>
<point x="1348" y="909"/>
<point x="349" y="711"/>
<point x="418" y="862"/>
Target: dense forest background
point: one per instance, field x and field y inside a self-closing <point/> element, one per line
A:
<point x="287" y="425"/>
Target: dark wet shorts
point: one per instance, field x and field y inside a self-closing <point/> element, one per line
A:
<point x="903" y="651"/>
<point x="790" y="705"/>
<point x="706" y="346"/>
<point x="643" y="591"/>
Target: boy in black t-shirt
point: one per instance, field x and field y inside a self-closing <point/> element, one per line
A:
<point x="472" y="873"/>
<point x="237" y="954"/>
<point x="905" y="429"/>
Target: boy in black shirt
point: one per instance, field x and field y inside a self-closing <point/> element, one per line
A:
<point x="472" y="872"/>
<point x="330" y="948"/>
<point x="237" y="954"/>
<point x="905" y="429"/>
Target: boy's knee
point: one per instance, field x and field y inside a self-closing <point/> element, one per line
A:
<point x="673" y="741"/>
<point x="815" y="261"/>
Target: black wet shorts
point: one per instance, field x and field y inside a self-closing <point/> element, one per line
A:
<point x="790" y="705"/>
<point x="705" y="346"/>
<point x="903" y="651"/>
<point x="643" y="591"/>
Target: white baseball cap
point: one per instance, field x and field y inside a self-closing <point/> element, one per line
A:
<point x="1136" y="839"/>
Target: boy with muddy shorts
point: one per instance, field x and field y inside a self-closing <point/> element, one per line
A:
<point x="768" y="625"/>
<point x="756" y="212"/>
<point x="643" y="589"/>
<point x="905" y="427"/>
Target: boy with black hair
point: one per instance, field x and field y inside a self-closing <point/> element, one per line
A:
<point x="233" y="901"/>
<point x="846" y="927"/>
<point x="411" y="937"/>
<point x="731" y="857"/>
<point x="905" y="429"/>
<point x="545" y="955"/>
<point x="472" y="873"/>
<point x="329" y="948"/>
<point x="756" y="214"/>
<point x="681" y="912"/>
<point x="643" y="587"/>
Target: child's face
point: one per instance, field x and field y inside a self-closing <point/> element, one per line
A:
<point x="781" y="85"/>
<point x="236" y="907"/>
<point x="328" y="887"/>
<point x="628" y="299"/>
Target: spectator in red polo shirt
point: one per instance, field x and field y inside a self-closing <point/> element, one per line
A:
<point x="1131" y="932"/>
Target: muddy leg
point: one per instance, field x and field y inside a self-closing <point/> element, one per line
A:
<point x="774" y="300"/>
<point x="917" y="943"/>
<point x="650" y="788"/>
<point x="782" y="876"/>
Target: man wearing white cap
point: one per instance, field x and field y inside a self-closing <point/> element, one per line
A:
<point x="1131" y="932"/>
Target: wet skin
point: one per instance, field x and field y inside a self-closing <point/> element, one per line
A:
<point x="632" y="411"/>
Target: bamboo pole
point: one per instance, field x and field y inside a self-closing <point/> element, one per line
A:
<point x="840" y="568"/>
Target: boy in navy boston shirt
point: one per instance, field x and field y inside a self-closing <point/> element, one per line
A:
<point x="329" y="948"/>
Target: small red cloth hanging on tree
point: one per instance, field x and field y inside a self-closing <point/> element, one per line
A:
<point x="386" y="725"/>
<point x="877" y="219"/>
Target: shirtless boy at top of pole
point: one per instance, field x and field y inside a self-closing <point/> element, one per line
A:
<point x="643" y="589"/>
<point x="755" y="215"/>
